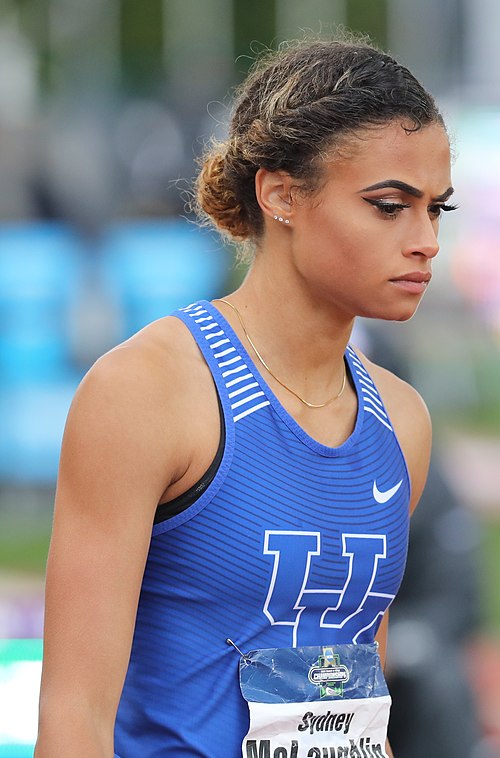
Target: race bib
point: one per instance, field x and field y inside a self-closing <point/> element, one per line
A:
<point x="315" y="702"/>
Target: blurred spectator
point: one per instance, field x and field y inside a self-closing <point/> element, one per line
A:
<point x="435" y="614"/>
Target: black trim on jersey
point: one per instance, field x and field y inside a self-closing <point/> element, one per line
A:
<point x="170" y="509"/>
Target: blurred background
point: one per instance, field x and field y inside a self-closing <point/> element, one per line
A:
<point x="104" y="107"/>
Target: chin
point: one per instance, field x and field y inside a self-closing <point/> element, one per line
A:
<point x="401" y="320"/>
<point x="392" y="314"/>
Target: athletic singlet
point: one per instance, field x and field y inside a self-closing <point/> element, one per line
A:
<point x="293" y="543"/>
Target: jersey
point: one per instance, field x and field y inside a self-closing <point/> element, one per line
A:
<point x="293" y="543"/>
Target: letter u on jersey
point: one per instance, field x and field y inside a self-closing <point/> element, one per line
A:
<point x="293" y="601"/>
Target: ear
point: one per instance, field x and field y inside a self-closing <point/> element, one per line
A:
<point x="273" y="190"/>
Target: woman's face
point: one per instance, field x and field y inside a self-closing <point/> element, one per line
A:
<point x="366" y="240"/>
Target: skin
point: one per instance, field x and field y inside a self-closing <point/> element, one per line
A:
<point x="126" y="446"/>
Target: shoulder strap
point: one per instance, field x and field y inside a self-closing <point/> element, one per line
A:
<point x="368" y="394"/>
<point x="239" y="389"/>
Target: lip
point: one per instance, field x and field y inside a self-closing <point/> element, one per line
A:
<point x="415" y="276"/>
<point x="415" y="281"/>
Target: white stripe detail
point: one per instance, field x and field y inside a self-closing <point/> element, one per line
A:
<point x="219" y="343"/>
<point x="370" y="410"/>
<point x="379" y="410"/>
<point x="360" y="366"/>
<point x="231" y="360"/>
<point x="214" y="334"/>
<point x="225" y="352"/>
<point x="204" y="318"/>
<point x="246" y="399"/>
<point x="250" y="410"/>
<point x="368" y="384"/>
<point x="210" y="326"/>
<point x="234" y="370"/>
<point x="371" y="394"/>
<point x="361" y="371"/>
<point x="234" y="393"/>
<point x="238" y="379"/>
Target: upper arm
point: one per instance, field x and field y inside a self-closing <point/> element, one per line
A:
<point x="115" y="463"/>
<point x="413" y="427"/>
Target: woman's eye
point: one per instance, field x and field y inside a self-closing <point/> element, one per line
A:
<point x="387" y="209"/>
<point x="435" y="211"/>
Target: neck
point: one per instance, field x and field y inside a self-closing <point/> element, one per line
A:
<point x="301" y="341"/>
<point x="271" y="372"/>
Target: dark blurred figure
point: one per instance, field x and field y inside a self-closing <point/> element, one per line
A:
<point x="436" y="612"/>
<point x="434" y="616"/>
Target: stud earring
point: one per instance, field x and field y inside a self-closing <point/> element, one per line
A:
<point x="282" y="220"/>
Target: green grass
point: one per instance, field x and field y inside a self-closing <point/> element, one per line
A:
<point x="479" y="419"/>
<point x="24" y="551"/>
<point x="490" y="574"/>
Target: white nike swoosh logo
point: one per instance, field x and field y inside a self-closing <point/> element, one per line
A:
<point x="384" y="497"/>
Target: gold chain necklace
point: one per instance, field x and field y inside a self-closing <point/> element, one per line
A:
<point x="261" y="359"/>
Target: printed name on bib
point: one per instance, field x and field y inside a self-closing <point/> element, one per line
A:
<point x="326" y="723"/>
<point x="362" y="749"/>
<point x="315" y="702"/>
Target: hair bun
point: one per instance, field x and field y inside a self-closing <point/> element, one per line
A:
<point x="216" y="199"/>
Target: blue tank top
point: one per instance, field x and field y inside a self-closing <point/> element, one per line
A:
<point x="293" y="543"/>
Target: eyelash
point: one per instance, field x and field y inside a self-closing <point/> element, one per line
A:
<point x="438" y="209"/>
<point x="391" y="210"/>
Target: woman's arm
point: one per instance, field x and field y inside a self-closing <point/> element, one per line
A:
<point x="116" y="462"/>
<point x="412" y="425"/>
<point x="381" y="638"/>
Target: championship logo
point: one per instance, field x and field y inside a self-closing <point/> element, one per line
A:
<point x="329" y="674"/>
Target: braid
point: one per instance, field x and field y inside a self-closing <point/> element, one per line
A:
<point x="294" y="107"/>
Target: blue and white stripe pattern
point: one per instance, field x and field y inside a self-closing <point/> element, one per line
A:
<point x="244" y="391"/>
<point x="371" y="399"/>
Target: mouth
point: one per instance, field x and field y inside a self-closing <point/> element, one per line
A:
<point x="415" y="282"/>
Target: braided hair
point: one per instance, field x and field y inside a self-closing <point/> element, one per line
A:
<point x="297" y="106"/>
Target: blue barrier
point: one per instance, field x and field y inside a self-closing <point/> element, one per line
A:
<point x="40" y="271"/>
<point x="153" y="267"/>
<point x="145" y="268"/>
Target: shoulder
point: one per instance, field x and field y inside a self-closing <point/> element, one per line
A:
<point x="149" y="369"/>
<point x="161" y="352"/>
<point x="411" y="422"/>
<point x="134" y="400"/>
<point x="404" y="404"/>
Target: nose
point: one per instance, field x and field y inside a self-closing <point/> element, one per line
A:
<point x="423" y="241"/>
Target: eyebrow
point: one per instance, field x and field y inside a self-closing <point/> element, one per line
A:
<point x="407" y="188"/>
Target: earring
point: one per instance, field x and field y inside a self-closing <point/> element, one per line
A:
<point x="282" y="220"/>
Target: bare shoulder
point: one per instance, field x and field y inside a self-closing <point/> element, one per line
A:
<point x="403" y="402"/>
<point x="411" y="421"/>
<point x="145" y="372"/>
<point x="132" y="403"/>
<point x="159" y="348"/>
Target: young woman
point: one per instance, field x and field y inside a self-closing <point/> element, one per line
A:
<point x="238" y="470"/>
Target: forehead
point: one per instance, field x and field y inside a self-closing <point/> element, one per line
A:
<point x="420" y="158"/>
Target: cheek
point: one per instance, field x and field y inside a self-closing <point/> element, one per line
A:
<point x="350" y="250"/>
<point x="341" y="243"/>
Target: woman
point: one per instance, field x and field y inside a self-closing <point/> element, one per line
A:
<point x="278" y="465"/>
